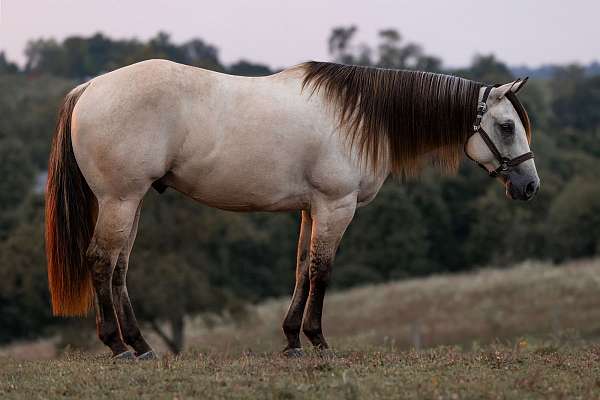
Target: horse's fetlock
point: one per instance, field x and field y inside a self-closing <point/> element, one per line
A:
<point x="132" y="336"/>
<point x="291" y="327"/>
<point x="311" y="331"/>
<point x="109" y="336"/>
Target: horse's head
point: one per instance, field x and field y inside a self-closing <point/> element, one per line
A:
<point x="500" y="142"/>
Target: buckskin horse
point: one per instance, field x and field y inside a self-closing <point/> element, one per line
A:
<point x="319" y="137"/>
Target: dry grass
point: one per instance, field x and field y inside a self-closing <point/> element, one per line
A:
<point x="441" y="373"/>
<point x="525" y="332"/>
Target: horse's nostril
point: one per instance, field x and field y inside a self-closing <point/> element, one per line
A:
<point x="530" y="189"/>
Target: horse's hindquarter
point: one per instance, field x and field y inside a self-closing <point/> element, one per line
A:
<point x="230" y="142"/>
<point x="126" y="127"/>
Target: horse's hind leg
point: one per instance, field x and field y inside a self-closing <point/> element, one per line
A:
<point x="127" y="321"/>
<point x="111" y="234"/>
<point x="293" y="320"/>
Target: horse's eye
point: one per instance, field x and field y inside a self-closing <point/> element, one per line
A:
<point x="508" y="127"/>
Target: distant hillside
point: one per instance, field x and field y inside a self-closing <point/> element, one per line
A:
<point x="529" y="300"/>
<point x="547" y="71"/>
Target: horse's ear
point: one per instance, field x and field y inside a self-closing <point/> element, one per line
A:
<point x="519" y="83"/>
<point x="500" y="91"/>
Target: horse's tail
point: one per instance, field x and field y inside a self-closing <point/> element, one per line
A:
<point x="70" y="219"/>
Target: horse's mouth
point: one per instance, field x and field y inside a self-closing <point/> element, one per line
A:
<point x="508" y="191"/>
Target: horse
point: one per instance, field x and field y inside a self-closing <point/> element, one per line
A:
<point x="319" y="138"/>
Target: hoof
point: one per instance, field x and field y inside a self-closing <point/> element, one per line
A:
<point x="149" y="355"/>
<point x="126" y="355"/>
<point x="293" y="352"/>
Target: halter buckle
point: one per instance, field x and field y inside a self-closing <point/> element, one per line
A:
<point x="477" y="123"/>
<point x="481" y="107"/>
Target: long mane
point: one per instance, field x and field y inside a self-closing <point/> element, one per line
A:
<point x="396" y="116"/>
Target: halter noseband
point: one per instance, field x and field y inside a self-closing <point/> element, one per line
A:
<point x="505" y="163"/>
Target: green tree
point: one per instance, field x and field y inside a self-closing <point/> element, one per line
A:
<point x="487" y="69"/>
<point x="247" y="68"/>
<point x="393" y="54"/>
<point x="24" y="298"/>
<point x="574" y="223"/>
<point x="18" y="175"/>
<point x="388" y="238"/>
<point x="7" y="67"/>
<point x="45" y="56"/>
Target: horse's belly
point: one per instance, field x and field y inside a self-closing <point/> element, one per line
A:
<point x="246" y="203"/>
<point x="246" y="199"/>
<point x="262" y="185"/>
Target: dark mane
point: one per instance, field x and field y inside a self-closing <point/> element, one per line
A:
<point x="404" y="115"/>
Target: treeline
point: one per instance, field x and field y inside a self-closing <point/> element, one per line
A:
<point x="189" y="258"/>
<point x="82" y="58"/>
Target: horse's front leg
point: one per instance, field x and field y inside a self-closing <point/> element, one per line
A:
<point x="330" y="220"/>
<point x="293" y="320"/>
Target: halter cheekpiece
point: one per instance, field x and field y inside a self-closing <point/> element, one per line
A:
<point x="505" y="163"/>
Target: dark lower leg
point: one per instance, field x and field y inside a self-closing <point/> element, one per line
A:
<point x="106" y="318"/>
<point x="129" y="326"/>
<point x="293" y="320"/>
<point x="126" y="317"/>
<point x="319" y="273"/>
<point x="330" y="220"/>
<point x="127" y="321"/>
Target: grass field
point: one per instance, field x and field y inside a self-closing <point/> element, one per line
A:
<point x="531" y="331"/>
<point x="440" y="373"/>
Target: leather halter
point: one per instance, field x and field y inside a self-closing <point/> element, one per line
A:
<point x="505" y="163"/>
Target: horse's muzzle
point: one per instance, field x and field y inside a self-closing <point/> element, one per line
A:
<point x="522" y="187"/>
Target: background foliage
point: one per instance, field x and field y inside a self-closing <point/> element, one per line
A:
<point x="195" y="259"/>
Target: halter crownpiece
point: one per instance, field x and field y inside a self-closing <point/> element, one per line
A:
<point x="505" y="163"/>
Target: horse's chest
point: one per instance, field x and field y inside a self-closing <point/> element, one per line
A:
<point x="368" y="189"/>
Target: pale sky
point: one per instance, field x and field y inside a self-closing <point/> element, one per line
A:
<point x="282" y="33"/>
